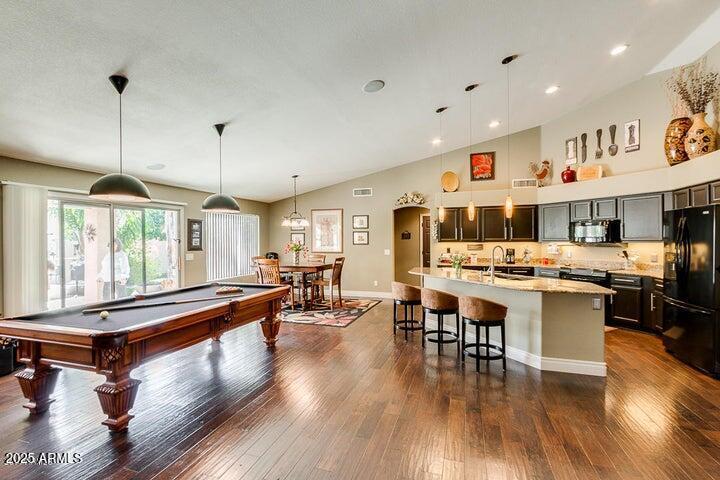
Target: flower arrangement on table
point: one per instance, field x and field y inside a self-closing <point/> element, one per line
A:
<point x="296" y="248"/>
<point x="457" y="260"/>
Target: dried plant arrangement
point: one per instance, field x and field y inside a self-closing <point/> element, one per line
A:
<point x="677" y="105"/>
<point x="694" y="85"/>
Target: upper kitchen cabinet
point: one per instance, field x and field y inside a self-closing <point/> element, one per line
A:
<point x="555" y="222"/>
<point x="681" y="198"/>
<point x="700" y="195"/>
<point x="523" y="224"/>
<point x="603" y="209"/>
<point x="469" y="229"/>
<point x="715" y="192"/>
<point x="642" y="217"/>
<point x="493" y="225"/>
<point x="448" y="230"/>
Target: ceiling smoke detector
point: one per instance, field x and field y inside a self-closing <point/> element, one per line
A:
<point x="373" y="86"/>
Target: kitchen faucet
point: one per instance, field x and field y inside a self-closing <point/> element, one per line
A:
<point x="492" y="261"/>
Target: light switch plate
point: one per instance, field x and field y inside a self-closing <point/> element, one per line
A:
<point x="597" y="303"/>
<point x="387" y="251"/>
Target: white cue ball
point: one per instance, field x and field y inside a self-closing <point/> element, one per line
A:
<point x="104" y="314"/>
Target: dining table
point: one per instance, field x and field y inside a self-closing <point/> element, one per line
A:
<point x="303" y="269"/>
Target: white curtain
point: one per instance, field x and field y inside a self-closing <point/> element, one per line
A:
<point x="24" y="222"/>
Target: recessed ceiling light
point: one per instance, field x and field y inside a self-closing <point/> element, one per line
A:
<point x="373" y="86"/>
<point x="552" y="89"/>
<point x="618" y="50"/>
<point x="493" y="124"/>
<point x="156" y="166"/>
<point x="436" y="141"/>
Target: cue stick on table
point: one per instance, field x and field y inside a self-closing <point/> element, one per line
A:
<point x="157" y="304"/>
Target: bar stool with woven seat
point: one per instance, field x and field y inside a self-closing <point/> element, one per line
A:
<point x="480" y="312"/>
<point x="441" y="304"/>
<point x="407" y="296"/>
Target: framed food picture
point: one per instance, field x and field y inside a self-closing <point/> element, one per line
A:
<point x="482" y="166"/>
<point x="571" y="151"/>
<point x="361" y="238"/>
<point x="632" y="136"/>
<point x="298" y="238"/>
<point x="327" y="230"/>
<point x="194" y="235"/>
<point x="361" y="222"/>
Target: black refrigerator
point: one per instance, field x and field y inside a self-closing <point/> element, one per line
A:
<point x="691" y="294"/>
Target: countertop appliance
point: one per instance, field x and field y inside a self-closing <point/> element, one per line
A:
<point x="510" y="256"/>
<point x="691" y="293"/>
<point x="595" y="232"/>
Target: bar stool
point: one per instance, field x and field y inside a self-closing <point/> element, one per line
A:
<point x="441" y="304"/>
<point x="480" y="312"/>
<point x="407" y="296"/>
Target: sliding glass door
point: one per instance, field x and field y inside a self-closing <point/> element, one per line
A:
<point x="100" y="251"/>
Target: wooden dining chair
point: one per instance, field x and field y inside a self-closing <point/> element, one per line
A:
<point x="268" y="272"/>
<point x="254" y="264"/>
<point x="316" y="258"/>
<point x="335" y="279"/>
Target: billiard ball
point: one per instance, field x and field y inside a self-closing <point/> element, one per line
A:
<point x="104" y="314"/>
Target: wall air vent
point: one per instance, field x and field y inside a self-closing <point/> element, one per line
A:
<point x="524" y="183"/>
<point x="362" y="192"/>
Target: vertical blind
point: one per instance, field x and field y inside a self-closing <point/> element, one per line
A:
<point x="232" y="241"/>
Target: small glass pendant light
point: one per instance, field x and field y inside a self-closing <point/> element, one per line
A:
<point x="508" y="201"/>
<point x="441" y="209"/>
<point x="471" y="204"/>
<point x="119" y="187"/>
<point x="220" y="202"/>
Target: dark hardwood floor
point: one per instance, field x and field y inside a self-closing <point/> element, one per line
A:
<point x="358" y="403"/>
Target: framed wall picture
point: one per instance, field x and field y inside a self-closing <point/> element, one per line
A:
<point x="632" y="136"/>
<point x="361" y="222"/>
<point x="361" y="238"/>
<point x="327" y="230"/>
<point x="571" y="151"/>
<point x="194" y="235"/>
<point x="482" y="166"/>
<point x="298" y="237"/>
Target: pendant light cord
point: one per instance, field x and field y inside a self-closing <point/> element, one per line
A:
<point x="442" y="188"/>
<point x="294" y="194"/>
<point x="508" y="127"/>
<point x="121" y="135"/>
<point x="220" y="155"/>
<point x="470" y="137"/>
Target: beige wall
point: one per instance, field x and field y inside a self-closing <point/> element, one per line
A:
<point x="367" y="264"/>
<point x="407" y="252"/>
<point x="644" y="99"/>
<point x="45" y="175"/>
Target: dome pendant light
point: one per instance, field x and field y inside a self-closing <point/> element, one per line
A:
<point x="471" y="204"/>
<point x="219" y="202"/>
<point x="295" y="220"/>
<point x="119" y="187"/>
<point x="441" y="209"/>
<point x="508" y="200"/>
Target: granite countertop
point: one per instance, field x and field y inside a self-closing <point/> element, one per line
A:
<point x="527" y="284"/>
<point x="642" y="272"/>
<point x="650" y="272"/>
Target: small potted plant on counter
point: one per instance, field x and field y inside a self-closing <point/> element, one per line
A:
<point x="296" y="248"/>
<point x="457" y="260"/>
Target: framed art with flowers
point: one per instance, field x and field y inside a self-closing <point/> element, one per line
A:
<point x="482" y="166"/>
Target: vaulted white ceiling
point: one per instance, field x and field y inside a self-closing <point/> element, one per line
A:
<point x="287" y="76"/>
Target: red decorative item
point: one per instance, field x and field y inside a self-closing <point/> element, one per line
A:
<point x="482" y="166"/>
<point x="568" y="175"/>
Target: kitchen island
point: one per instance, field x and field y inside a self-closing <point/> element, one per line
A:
<point x="551" y="324"/>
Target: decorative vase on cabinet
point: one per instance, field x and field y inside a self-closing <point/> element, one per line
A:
<point x="568" y="175"/>
<point x="700" y="138"/>
<point x="675" y="134"/>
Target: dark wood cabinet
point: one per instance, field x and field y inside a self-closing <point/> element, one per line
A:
<point x="626" y="306"/>
<point x="469" y="229"/>
<point x="448" y="230"/>
<point x="604" y="209"/>
<point x="642" y="217"/>
<point x="526" y="271"/>
<point x="653" y="304"/>
<point x="699" y="195"/>
<point x="493" y="224"/>
<point x="523" y="224"/>
<point x="715" y="192"/>
<point x="681" y="198"/>
<point x="554" y="222"/>
<point x="580" y="211"/>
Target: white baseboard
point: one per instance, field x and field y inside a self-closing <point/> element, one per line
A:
<point x="579" y="367"/>
<point x="362" y="294"/>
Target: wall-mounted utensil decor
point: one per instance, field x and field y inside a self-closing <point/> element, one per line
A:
<point x="571" y="151"/>
<point x="599" y="150"/>
<point x="613" y="148"/>
<point x="632" y="136"/>
<point x="583" y="147"/>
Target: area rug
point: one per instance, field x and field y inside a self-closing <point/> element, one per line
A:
<point x="352" y="309"/>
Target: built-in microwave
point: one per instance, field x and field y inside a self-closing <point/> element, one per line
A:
<point x="595" y="232"/>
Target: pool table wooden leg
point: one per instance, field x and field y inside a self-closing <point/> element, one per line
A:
<point x="117" y="397"/>
<point x="271" y="324"/>
<point x="37" y="381"/>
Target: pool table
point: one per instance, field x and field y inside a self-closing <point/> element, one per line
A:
<point x="137" y="329"/>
